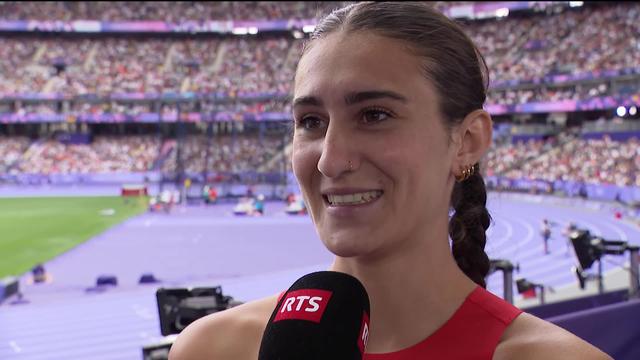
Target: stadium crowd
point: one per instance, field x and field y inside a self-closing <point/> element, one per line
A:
<point x="516" y="48"/>
<point x="103" y="155"/>
<point x="246" y="154"/>
<point x="168" y="11"/>
<point x="551" y="94"/>
<point x="592" y="39"/>
<point x="564" y="156"/>
<point x="130" y="108"/>
<point x="11" y="149"/>
<point x="588" y="40"/>
<point x="592" y="161"/>
<point x="136" y="153"/>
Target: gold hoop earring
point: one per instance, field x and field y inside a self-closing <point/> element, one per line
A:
<point x="467" y="171"/>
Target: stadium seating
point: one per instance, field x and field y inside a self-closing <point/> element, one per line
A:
<point x="590" y="161"/>
<point x="590" y="40"/>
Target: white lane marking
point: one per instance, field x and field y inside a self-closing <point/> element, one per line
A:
<point x="511" y="251"/>
<point x="621" y="235"/>
<point x="595" y="230"/>
<point x="15" y="347"/>
<point x="142" y="312"/>
<point x="497" y="241"/>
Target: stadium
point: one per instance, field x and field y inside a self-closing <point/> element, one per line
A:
<point x="146" y="164"/>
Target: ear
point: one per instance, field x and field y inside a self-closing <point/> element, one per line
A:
<point x="472" y="140"/>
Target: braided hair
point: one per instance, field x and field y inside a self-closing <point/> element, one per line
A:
<point x="468" y="225"/>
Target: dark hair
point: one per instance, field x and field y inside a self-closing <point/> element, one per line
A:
<point x="460" y="75"/>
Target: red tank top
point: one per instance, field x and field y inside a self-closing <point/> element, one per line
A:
<point x="472" y="332"/>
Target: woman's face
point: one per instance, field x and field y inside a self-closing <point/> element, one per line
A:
<point x="370" y="149"/>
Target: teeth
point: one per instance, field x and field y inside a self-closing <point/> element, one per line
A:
<point x="354" y="199"/>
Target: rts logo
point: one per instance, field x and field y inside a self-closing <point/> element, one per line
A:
<point x="306" y="304"/>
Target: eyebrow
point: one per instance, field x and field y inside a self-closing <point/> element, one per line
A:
<point x="357" y="97"/>
<point x="307" y="100"/>
<point x="353" y="98"/>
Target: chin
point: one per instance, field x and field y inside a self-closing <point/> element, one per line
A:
<point x="346" y="246"/>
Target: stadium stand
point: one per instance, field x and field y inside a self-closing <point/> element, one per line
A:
<point x="522" y="49"/>
<point x="165" y="10"/>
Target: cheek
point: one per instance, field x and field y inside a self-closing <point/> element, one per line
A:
<point x="303" y="162"/>
<point x="421" y="170"/>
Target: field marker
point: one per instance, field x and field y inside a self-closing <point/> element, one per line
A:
<point x="15" y="347"/>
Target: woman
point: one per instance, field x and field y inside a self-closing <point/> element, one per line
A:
<point x="389" y="131"/>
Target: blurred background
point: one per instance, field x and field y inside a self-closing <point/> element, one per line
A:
<point x="145" y="174"/>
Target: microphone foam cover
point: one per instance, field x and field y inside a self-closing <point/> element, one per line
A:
<point x="324" y="315"/>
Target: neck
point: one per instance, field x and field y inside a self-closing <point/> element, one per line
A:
<point x="418" y="281"/>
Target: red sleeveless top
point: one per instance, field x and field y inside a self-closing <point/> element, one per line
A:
<point x="472" y="332"/>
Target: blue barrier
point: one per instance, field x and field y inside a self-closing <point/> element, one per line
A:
<point x="580" y="304"/>
<point x="615" y="328"/>
<point x="615" y="136"/>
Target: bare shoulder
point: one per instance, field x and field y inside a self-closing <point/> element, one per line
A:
<point x="233" y="334"/>
<point x="531" y="338"/>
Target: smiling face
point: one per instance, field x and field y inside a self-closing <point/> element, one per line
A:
<point x="370" y="149"/>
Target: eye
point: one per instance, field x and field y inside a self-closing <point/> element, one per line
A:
<point x="375" y="115"/>
<point x="310" y="123"/>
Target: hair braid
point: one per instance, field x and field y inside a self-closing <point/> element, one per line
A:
<point x="468" y="225"/>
